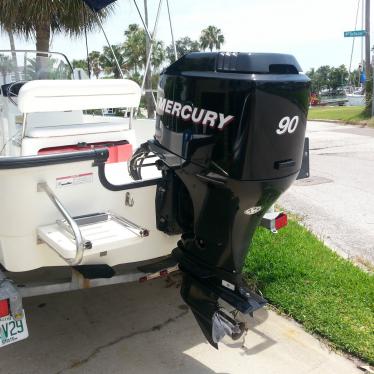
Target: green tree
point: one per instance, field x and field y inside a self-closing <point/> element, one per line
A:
<point x="134" y="49"/>
<point x="108" y="63"/>
<point x="42" y="18"/>
<point x="354" y="77"/>
<point x="338" y="77"/>
<point x="326" y="77"/>
<point x="211" y="37"/>
<point x="6" y="66"/>
<point x="312" y="76"/>
<point x="95" y="64"/>
<point x="183" y="46"/>
<point x="135" y="53"/>
<point x="322" y="77"/>
<point x="82" y="64"/>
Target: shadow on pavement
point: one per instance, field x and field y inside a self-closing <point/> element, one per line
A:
<point x="133" y="328"/>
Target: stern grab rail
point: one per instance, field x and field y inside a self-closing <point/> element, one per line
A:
<point x="97" y="155"/>
<point x="80" y="243"/>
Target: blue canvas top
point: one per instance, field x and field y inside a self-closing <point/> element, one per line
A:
<point x="97" y="5"/>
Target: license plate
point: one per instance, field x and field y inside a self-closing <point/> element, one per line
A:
<point x="12" y="331"/>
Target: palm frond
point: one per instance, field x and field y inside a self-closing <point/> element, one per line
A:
<point x="70" y="16"/>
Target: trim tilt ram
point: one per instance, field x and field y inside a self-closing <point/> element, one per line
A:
<point x="230" y="132"/>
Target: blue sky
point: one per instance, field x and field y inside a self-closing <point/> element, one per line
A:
<point x="311" y="30"/>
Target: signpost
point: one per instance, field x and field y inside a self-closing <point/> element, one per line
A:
<point x="372" y="90"/>
<point x="355" y="33"/>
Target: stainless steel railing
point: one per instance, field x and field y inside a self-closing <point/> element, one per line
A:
<point x="80" y="244"/>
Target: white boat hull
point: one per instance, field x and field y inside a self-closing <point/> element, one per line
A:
<point x="24" y="210"/>
<point x="40" y="124"/>
<point x="356" y="100"/>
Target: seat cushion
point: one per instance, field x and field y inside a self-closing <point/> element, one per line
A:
<point x="31" y="146"/>
<point x="75" y="129"/>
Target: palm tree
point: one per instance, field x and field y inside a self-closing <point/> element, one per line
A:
<point x="41" y="18"/>
<point x="134" y="49"/>
<point x="108" y="63"/>
<point x="94" y="58"/>
<point x="183" y="45"/>
<point x="6" y="66"/>
<point x="211" y="37"/>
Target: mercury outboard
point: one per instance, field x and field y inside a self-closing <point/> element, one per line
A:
<point x="230" y="132"/>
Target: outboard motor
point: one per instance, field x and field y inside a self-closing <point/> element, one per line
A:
<point x="230" y="133"/>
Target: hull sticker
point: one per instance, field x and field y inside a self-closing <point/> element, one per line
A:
<point x="74" y="180"/>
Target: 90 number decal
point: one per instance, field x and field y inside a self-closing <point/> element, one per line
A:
<point x="287" y="124"/>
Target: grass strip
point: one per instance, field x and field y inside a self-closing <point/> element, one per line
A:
<point x="349" y="114"/>
<point x="308" y="281"/>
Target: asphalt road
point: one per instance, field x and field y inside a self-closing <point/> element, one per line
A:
<point x="337" y="201"/>
<point x="146" y="328"/>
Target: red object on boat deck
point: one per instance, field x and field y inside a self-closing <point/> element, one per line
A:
<point x="4" y="308"/>
<point x="118" y="151"/>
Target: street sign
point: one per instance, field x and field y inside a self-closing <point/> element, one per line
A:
<point x="353" y="34"/>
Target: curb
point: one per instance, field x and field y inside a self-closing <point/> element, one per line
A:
<point x="362" y="124"/>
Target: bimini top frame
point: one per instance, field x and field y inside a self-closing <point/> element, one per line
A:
<point x="97" y="5"/>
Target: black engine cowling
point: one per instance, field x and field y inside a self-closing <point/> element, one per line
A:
<point x="230" y="133"/>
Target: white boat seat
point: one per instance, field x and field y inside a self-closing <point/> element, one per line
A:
<point x="60" y="95"/>
<point x="75" y="129"/>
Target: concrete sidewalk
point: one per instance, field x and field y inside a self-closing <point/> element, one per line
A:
<point x="337" y="201"/>
<point x="146" y="328"/>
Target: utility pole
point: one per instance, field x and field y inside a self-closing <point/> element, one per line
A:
<point x="148" y="76"/>
<point x="372" y="91"/>
<point x="368" y="67"/>
<point x="367" y="39"/>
